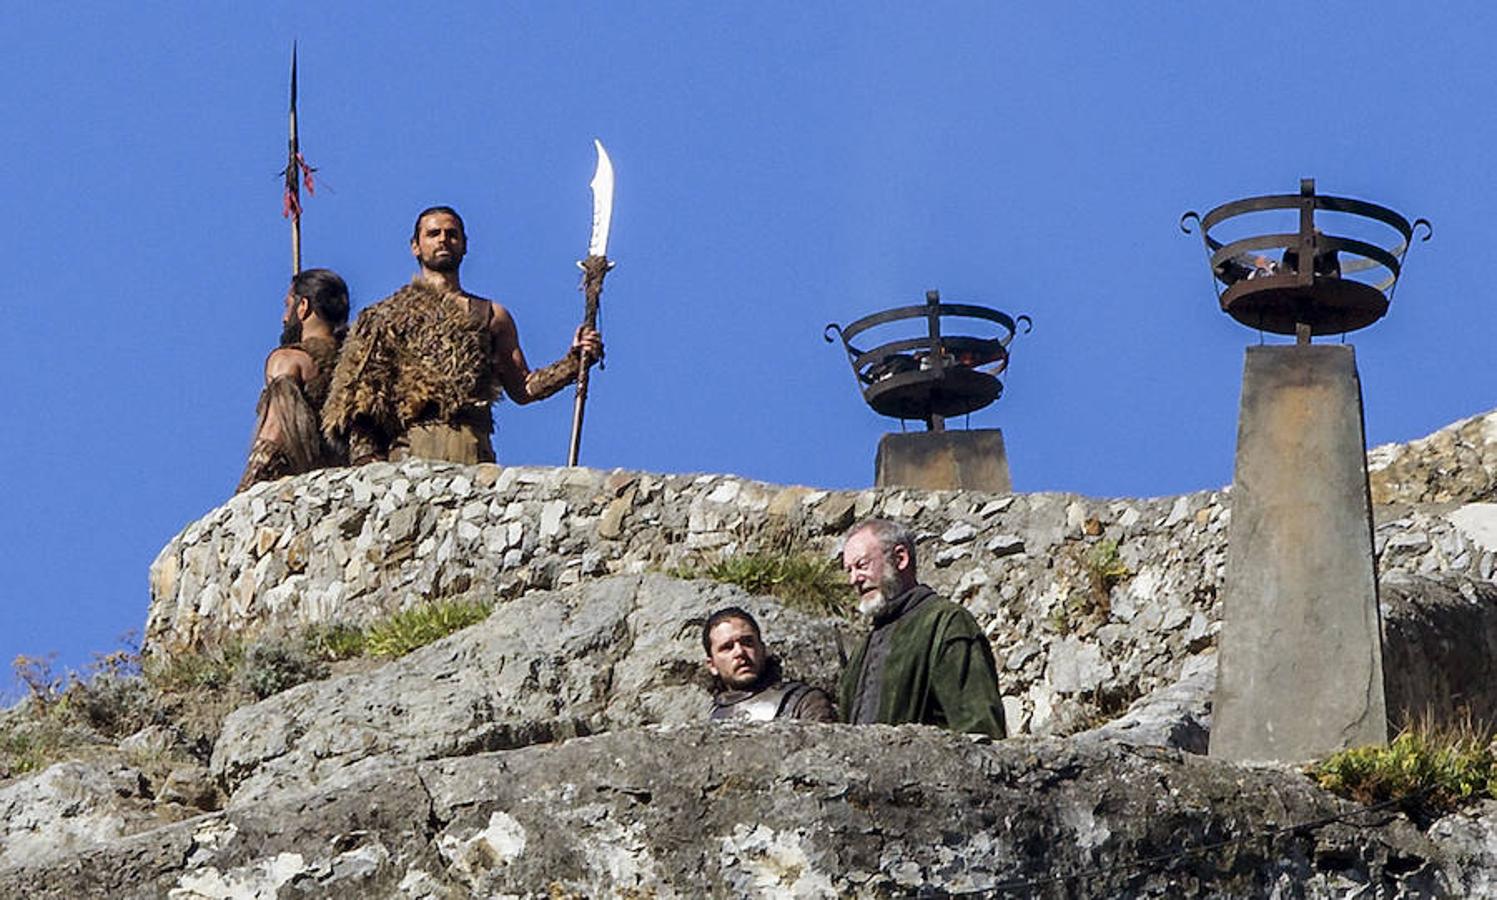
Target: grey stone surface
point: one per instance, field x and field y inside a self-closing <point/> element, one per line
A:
<point x="389" y="780"/>
<point x="1300" y="656"/>
<point x="70" y="807"/>
<point x="550" y="665"/>
<point x="308" y="550"/>
<point x="1176" y="716"/>
<point x="969" y="459"/>
<point x="1457" y="463"/>
<point x="792" y="810"/>
<point x="1440" y="654"/>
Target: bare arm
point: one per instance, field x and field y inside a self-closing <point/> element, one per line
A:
<point x="289" y="361"/>
<point x="510" y="366"/>
<point x="285" y="362"/>
<point x="520" y="383"/>
<point x="285" y="426"/>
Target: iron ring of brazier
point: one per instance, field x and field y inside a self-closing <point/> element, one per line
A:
<point x="1348" y="286"/>
<point x="936" y="374"/>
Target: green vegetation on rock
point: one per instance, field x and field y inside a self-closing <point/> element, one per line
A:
<point x="1105" y="569"/>
<point x="799" y="579"/>
<point x="68" y="715"/>
<point x="1425" y="772"/>
<point x="418" y="626"/>
<point x="192" y="691"/>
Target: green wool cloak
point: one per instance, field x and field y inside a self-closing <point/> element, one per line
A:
<point x="939" y="671"/>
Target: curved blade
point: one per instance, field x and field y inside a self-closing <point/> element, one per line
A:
<point x="602" y="185"/>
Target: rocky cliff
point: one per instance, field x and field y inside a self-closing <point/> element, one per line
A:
<point x="555" y="748"/>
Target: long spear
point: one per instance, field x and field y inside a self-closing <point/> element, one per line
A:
<point x="594" y="268"/>
<point x="295" y="174"/>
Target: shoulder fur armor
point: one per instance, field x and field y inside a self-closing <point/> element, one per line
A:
<point x="324" y="353"/>
<point x="415" y="356"/>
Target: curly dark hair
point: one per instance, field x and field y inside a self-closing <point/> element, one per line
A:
<point x="723" y="615"/>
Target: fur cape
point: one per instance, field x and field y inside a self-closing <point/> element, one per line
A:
<point x="324" y="353"/>
<point x="416" y="356"/>
<point x="296" y="408"/>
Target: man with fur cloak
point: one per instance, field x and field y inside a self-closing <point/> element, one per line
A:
<point x="288" y="428"/>
<point x="423" y="366"/>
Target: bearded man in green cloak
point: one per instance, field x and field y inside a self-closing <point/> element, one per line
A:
<point x="926" y="660"/>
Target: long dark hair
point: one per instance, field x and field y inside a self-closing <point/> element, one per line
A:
<point x="328" y="295"/>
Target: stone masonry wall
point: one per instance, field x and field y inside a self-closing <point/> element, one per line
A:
<point x="1089" y="603"/>
<point x="1456" y="463"/>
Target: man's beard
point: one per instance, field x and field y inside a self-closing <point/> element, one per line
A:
<point x="448" y="263"/>
<point x="880" y="601"/>
<point x="290" y="332"/>
<point x="744" y="682"/>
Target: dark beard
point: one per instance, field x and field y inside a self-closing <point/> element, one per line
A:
<point x="443" y="263"/>
<point x="291" y="332"/>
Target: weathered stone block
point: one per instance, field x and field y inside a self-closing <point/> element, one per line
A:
<point x="1301" y="671"/>
<point x="944" y="460"/>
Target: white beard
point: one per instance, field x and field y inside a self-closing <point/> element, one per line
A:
<point x="873" y="604"/>
<point x="878" y="603"/>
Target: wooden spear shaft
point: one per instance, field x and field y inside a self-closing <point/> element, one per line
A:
<point x="593" y="270"/>
<point x="293" y="176"/>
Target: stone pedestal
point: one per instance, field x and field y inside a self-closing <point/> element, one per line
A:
<point x="1300" y="653"/>
<point x="971" y="460"/>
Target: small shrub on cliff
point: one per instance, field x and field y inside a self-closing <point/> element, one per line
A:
<point x="418" y="626"/>
<point x="35" y="672"/>
<point x="112" y="704"/>
<point x="66" y="715"/>
<point x="1105" y="568"/>
<point x="1089" y="573"/>
<point x="211" y="668"/>
<point x="30" y="743"/>
<point x="196" y="689"/>
<point x="800" y="580"/>
<point x="335" y="642"/>
<point x="269" y="667"/>
<point x="1426" y="772"/>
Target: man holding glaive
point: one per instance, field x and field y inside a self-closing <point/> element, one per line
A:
<point x="423" y="366"/>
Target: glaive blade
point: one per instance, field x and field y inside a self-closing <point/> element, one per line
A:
<point x="602" y="185"/>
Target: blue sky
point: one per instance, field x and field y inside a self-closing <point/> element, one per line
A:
<point x="780" y="166"/>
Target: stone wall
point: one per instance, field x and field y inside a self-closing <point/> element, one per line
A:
<point x="1456" y="463"/>
<point x="1089" y="603"/>
<point x="352" y="544"/>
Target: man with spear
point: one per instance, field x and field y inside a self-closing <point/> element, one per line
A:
<point x="422" y="367"/>
<point x="288" y="436"/>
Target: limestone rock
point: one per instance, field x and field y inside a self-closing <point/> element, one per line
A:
<point x="791" y="809"/>
<point x="605" y="655"/>
<point x="1177" y="716"/>
<point x="68" y="808"/>
<point x="1438" y="649"/>
<point x="1458" y="462"/>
